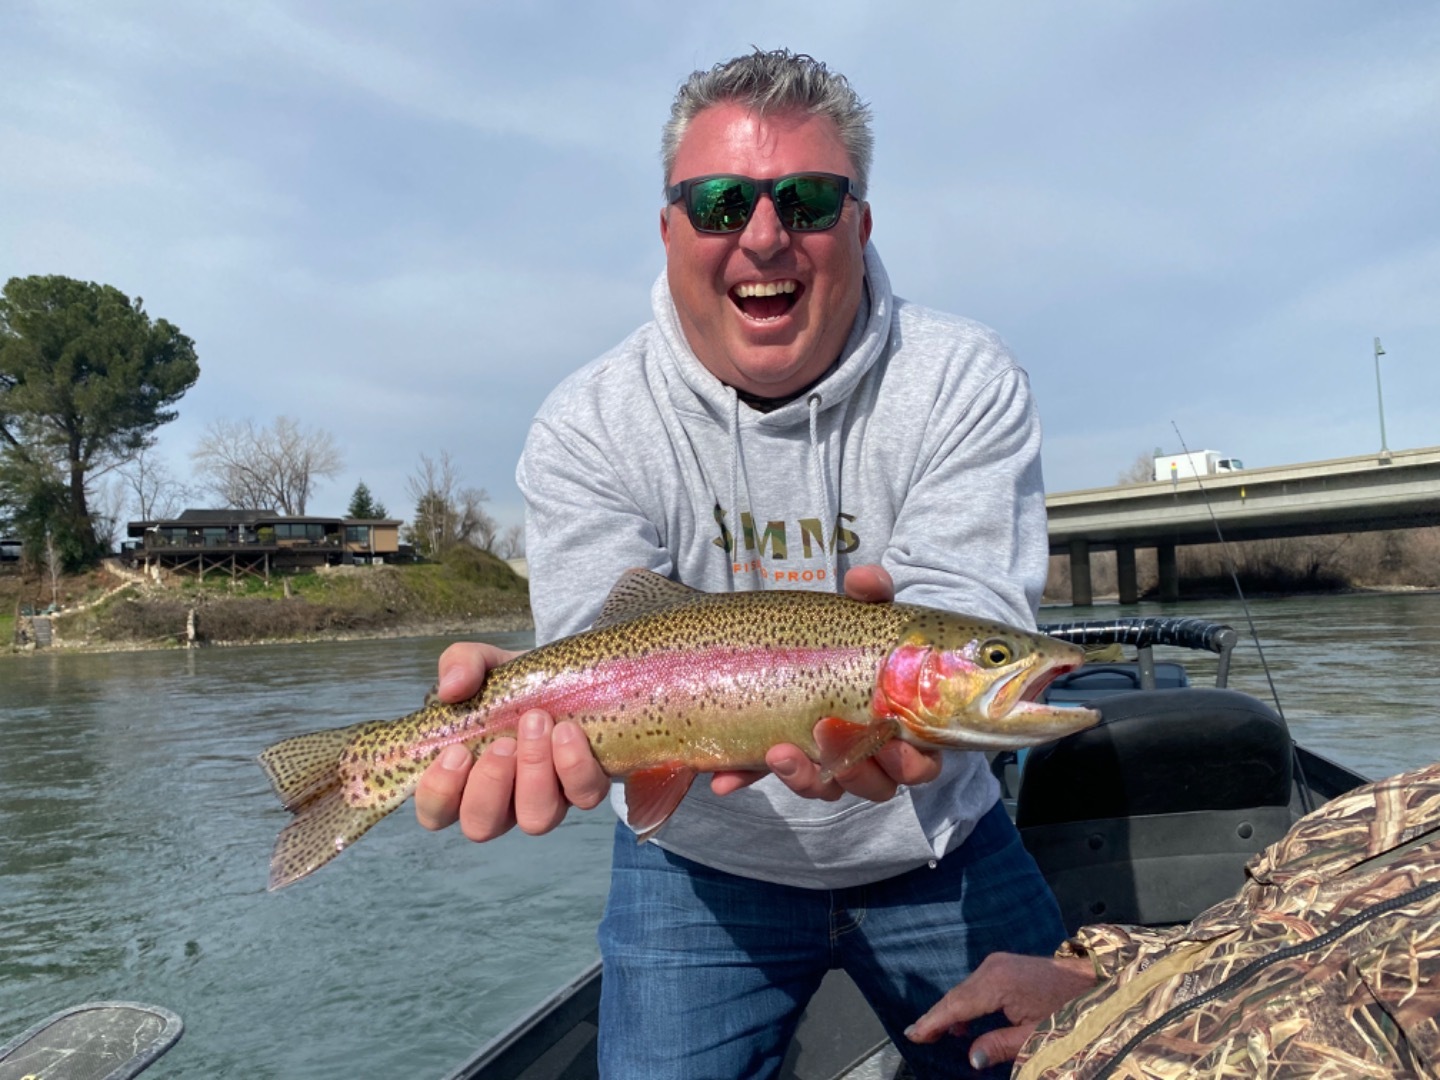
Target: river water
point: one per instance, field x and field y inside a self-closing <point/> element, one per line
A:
<point x="135" y="831"/>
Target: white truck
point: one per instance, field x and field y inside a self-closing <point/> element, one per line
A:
<point x="1197" y="463"/>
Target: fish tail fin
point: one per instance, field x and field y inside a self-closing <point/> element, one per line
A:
<point x="303" y="768"/>
<point x="323" y="827"/>
<point x="305" y="773"/>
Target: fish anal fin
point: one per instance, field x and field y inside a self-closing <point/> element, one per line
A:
<point x="651" y="796"/>
<point x="845" y="743"/>
<point x="321" y="830"/>
<point x="641" y="592"/>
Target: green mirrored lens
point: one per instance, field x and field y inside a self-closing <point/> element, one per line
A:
<point x="722" y="204"/>
<point x="808" y="202"/>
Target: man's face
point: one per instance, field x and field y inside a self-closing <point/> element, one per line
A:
<point x="768" y="346"/>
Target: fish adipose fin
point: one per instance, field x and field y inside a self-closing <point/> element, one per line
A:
<point x="642" y="592"/>
<point x="844" y="743"/>
<point x="651" y="796"/>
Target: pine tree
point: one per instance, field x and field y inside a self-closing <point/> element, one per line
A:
<point x="363" y="506"/>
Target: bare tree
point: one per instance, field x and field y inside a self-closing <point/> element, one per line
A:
<point x="1141" y="470"/>
<point x="53" y="567"/>
<point x="476" y="526"/>
<point x="512" y="543"/>
<point x="445" y="512"/>
<point x="107" y="512"/>
<point x="153" y="491"/>
<point x="275" y="467"/>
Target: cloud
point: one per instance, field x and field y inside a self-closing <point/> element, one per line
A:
<point x="407" y="224"/>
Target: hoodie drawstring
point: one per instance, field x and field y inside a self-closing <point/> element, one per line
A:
<point x="736" y="525"/>
<point x="822" y="490"/>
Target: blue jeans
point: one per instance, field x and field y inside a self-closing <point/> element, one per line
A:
<point x="706" y="973"/>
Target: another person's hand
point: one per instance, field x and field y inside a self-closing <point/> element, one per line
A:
<point x="530" y="781"/>
<point x="877" y="778"/>
<point x="1025" y="988"/>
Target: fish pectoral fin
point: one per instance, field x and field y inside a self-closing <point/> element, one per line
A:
<point x="844" y="744"/>
<point x="321" y="830"/>
<point x="651" y="796"/>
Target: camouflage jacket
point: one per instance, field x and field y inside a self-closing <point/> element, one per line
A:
<point x="1325" y="964"/>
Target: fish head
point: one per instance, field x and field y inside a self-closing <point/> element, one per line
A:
<point x="954" y="681"/>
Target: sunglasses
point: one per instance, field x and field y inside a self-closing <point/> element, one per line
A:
<point x="805" y="202"/>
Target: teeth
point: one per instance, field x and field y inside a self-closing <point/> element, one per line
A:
<point x="767" y="288"/>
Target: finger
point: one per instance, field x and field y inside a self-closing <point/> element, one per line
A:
<point x="906" y="764"/>
<point x="486" y="809"/>
<point x="539" y="802"/>
<point x="800" y="774"/>
<point x="583" y="780"/>
<point x="437" y="798"/>
<point x="462" y="668"/>
<point x="981" y="993"/>
<point x="868" y="780"/>
<point x="731" y="780"/>
<point x="999" y="1045"/>
<point x="871" y="583"/>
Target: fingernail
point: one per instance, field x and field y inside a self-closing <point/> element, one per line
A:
<point x="503" y="748"/>
<point x="567" y="733"/>
<point x="454" y="757"/>
<point x="910" y="1032"/>
<point x="979" y="1060"/>
<point x="449" y="682"/>
<point x="785" y="768"/>
<point x="532" y="726"/>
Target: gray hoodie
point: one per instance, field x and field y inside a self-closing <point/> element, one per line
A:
<point x="919" y="450"/>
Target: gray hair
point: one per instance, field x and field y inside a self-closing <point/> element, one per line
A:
<point x="775" y="81"/>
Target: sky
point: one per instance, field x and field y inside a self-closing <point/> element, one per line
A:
<point x="403" y="224"/>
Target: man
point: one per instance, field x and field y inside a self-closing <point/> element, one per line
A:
<point x="784" y="422"/>
<point x="1326" y="962"/>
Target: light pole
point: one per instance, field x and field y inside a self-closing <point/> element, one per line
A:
<point x="1380" y="398"/>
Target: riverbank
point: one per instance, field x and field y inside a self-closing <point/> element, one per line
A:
<point x="1401" y="560"/>
<point x="465" y="592"/>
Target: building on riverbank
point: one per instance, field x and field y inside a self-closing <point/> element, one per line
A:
<point x="257" y="542"/>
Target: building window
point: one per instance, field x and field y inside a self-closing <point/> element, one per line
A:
<point x="297" y="530"/>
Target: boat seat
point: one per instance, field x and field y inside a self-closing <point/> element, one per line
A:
<point x="1149" y="817"/>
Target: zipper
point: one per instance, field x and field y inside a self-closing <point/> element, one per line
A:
<point x="1374" y="911"/>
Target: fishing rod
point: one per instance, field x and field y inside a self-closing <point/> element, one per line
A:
<point x="1304" y="787"/>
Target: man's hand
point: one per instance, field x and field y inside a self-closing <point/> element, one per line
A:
<point x="530" y="781"/>
<point x="877" y="778"/>
<point x="1025" y="988"/>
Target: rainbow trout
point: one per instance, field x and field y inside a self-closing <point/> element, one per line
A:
<point x="671" y="682"/>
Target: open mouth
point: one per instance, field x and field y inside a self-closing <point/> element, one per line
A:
<point x="766" y="300"/>
<point x="1038" y="687"/>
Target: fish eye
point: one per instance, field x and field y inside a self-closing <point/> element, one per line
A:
<point x="996" y="653"/>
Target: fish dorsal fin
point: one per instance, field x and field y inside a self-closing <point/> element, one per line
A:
<point x="641" y="592"/>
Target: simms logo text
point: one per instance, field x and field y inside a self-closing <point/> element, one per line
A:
<point x="774" y="539"/>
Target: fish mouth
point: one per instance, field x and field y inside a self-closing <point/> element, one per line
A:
<point x="1030" y="696"/>
<point x="1014" y="706"/>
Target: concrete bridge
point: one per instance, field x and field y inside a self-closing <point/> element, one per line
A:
<point x="1397" y="490"/>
